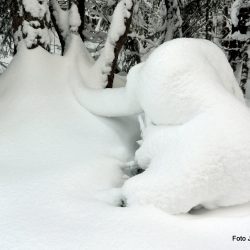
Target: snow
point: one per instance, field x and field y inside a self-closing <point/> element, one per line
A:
<point x="35" y="7"/>
<point x="237" y="4"/>
<point x="74" y="18"/>
<point x="33" y="30"/>
<point x="62" y="18"/>
<point x="238" y="36"/>
<point x="89" y="69"/>
<point x="174" y="20"/>
<point x="203" y="162"/>
<point x="235" y="12"/>
<point x="60" y="171"/>
<point x="116" y="30"/>
<point x="189" y="95"/>
<point x="33" y="34"/>
<point x="99" y="70"/>
<point x="140" y="94"/>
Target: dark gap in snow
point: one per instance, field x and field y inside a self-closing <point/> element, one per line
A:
<point x="123" y="203"/>
<point x="139" y="171"/>
<point x="197" y="210"/>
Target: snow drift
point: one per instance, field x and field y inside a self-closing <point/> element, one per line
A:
<point x="193" y="66"/>
<point x="60" y="170"/>
<point x="196" y="143"/>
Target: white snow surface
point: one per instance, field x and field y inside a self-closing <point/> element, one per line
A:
<point x="60" y="172"/>
<point x="195" y="144"/>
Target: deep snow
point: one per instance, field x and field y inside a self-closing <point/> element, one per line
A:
<point x="196" y="143"/>
<point x="192" y="66"/>
<point x="60" y="169"/>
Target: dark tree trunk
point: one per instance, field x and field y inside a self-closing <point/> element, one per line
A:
<point x="81" y="8"/>
<point x="17" y="20"/>
<point x="207" y="18"/>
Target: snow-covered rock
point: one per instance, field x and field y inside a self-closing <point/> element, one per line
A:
<point x="196" y="143"/>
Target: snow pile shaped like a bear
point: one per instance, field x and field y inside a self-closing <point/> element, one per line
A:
<point x="196" y="145"/>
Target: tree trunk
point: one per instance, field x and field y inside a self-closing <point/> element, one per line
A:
<point x="81" y="9"/>
<point x="207" y="18"/>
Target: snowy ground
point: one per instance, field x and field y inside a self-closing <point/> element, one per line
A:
<point x="60" y="174"/>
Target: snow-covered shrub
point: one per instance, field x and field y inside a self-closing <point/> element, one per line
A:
<point x="196" y="144"/>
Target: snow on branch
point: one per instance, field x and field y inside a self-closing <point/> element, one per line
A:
<point x="74" y="17"/>
<point x="235" y="11"/>
<point x="116" y="38"/>
<point x="68" y="20"/>
<point x="59" y="18"/>
<point x="173" y="20"/>
<point x="240" y="29"/>
<point x="34" y="23"/>
<point x="77" y="16"/>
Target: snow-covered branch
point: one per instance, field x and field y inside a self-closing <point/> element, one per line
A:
<point x="117" y="35"/>
<point x="174" y="19"/>
<point x="68" y="20"/>
<point x="59" y="19"/>
<point x="32" y="23"/>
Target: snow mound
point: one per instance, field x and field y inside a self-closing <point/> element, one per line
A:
<point x="60" y="172"/>
<point x="199" y="155"/>
<point x="195" y="144"/>
<point x="194" y="67"/>
<point x="203" y="157"/>
<point x="202" y="162"/>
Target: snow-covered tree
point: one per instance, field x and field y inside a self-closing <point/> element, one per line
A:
<point x="6" y="37"/>
<point x="152" y="23"/>
<point x="173" y="21"/>
<point x="240" y="15"/>
<point x="237" y="43"/>
<point x="31" y="23"/>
